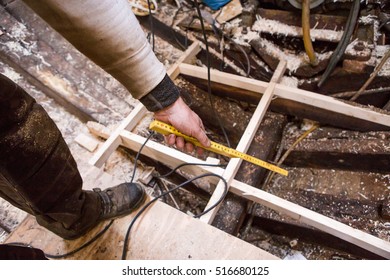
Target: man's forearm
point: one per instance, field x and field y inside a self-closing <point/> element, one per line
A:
<point x="108" y="33"/>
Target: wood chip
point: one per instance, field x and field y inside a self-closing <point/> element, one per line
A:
<point x="87" y="142"/>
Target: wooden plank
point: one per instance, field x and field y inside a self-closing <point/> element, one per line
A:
<point x="293" y="94"/>
<point x="229" y="11"/>
<point x="234" y="209"/>
<point x="299" y="213"/>
<point x="243" y="145"/>
<point x="294" y="108"/>
<point x="160" y="227"/>
<point x="158" y="152"/>
<point x="341" y="149"/>
<point x="87" y="142"/>
<point x="67" y="83"/>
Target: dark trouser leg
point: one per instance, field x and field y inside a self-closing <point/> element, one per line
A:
<point x="37" y="171"/>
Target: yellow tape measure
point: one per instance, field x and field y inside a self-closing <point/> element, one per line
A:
<point x="166" y="129"/>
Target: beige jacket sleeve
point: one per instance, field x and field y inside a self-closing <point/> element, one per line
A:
<point x="108" y="33"/>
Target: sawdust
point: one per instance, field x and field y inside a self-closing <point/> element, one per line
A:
<point x="275" y="27"/>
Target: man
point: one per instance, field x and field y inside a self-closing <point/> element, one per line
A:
<point x="37" y="172"/>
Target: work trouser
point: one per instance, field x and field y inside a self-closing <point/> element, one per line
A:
<point x="37" y="171"/>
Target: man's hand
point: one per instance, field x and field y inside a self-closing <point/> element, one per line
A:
<point x="186" y="121"/>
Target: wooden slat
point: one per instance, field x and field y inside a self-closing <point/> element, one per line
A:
<point x="245" y="141"/>
<point x="285" y="92"/>
<point x="306" y="216"/>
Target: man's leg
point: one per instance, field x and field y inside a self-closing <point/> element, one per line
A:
<point x="39" y="175"/>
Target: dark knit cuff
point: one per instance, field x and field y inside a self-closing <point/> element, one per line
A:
<point x="163" y="95"/>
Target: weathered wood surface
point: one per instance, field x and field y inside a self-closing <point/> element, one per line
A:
<point x="300" y="237"/>
<point x="319" y="21"/>
<point x="341" y="149"/>
<point x="264" y="145"/>
<point x="182" y="238"/>
<point x="282" y="105"/>
<point x="53" y="63"/>
<point x="353" y="198"/>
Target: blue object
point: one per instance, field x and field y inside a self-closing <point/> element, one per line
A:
<point x="215" y="4"/>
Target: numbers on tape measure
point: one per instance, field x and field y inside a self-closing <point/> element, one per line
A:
<point x="164" y="128"/>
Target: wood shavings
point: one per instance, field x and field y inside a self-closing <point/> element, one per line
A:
<point x="275" y="27"/>
<point x="293" y="61"/>
<point x="381" y="52"/>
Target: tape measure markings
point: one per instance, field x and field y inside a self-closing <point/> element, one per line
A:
<point x="165" y="129"/>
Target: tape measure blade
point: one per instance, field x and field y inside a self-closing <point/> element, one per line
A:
<point x="165" y="129"/>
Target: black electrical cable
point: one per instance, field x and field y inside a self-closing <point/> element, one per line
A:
<point x="82" y="246"/>
<point x="183" y="47"/>
<point x="384" y="23"/>
<point x="98" y="235"/>
<point x="208" y="72"/>
<point x="344" y="41"/>
<point x="126" y="241"/>
<point x="138" y="154"/>
<point x="220" y="32"/>
<point x="50" y="256"/>
<point x="125" y="245"/>
<point x="108" y="225"/>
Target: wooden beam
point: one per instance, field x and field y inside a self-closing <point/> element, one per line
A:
<point x="243" y="145"/>
<point x="71" y="86"/>
<point x="293" y="94"/>
<point x="299" y="213"/>
<point x="340" y="149"/>
<point x="234" y="209"/>
<point x="294" y="108"/>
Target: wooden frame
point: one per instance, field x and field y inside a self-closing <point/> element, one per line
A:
<point x="123" y="136"/>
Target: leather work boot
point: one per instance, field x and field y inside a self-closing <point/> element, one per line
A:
<point x="120" y="200"/>
<point x="111" y="203"/>
<point x="39" y="175"/>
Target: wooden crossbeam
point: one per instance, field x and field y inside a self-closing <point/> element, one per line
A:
<point x="245" y="141"/>
<point x="281" y="91"/>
